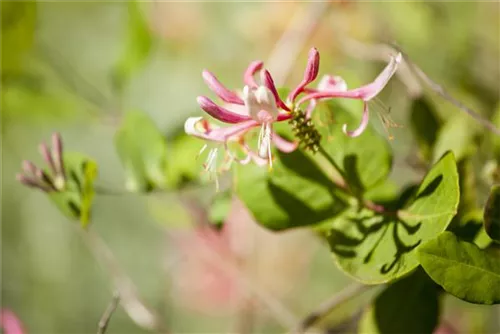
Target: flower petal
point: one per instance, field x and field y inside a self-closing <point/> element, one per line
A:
<point x="218" y="112"/>
<point x="253" y="68"/>
<point x="201" y="128"/>
<point x="284" y="145"/>
<point x="218" y="88"/>
<point x="310" y="74"/>
<point x="364" y="93"/>
<point x="332" y="83"/>
<point x="362" y="126"/>
<point x="268" y="81"/>
<point x="371" y="90"/>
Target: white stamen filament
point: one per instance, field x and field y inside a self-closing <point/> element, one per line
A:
<point x="211" y="166"/>
<point x="264" y="143"/>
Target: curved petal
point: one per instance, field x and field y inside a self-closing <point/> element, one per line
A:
<point x="218" y="88"/>
<point x="364" y="93"/>
<point x="284" y="145"/>
<point x="371" y="90"/>
<point x="218" y="112"/>
<point x="268" y="81"/>
<point x="362" y="126"/>
<point x="201" y="128"/>
<point x="253" y="68"/>
<point x="310" y="74"/>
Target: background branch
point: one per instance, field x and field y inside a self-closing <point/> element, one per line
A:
<point x="329" y="305"/>
<point x="106" y="316"/>
<point x="136" y="309"/>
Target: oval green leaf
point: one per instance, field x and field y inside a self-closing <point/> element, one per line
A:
<point x="294" y="193"/>
<point x="365" y="160"/>
<point x="462" y="269"/>
<point x="492" y="214"/>
<point x="375" y="248"/>
<point x="142" y="151"/>
<point x="410" y="305"/>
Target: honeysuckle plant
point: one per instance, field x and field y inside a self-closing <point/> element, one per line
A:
<point x="434" y="232"/>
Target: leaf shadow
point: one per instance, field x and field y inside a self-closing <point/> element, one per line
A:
<point x="349" y="246"/>
<point x="295" y="208"/>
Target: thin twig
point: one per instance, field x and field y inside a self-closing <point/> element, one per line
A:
<point x="329" y="305"/>
<point x="108" y="313"/>
<point x="438" y="89"/>
<point x="136" y="309"/>
<point x="286" y="50"/>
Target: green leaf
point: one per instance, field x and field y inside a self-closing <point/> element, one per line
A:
<point x="18" y="29"/>
<point x="142" y="151"/>
<point x="376" y="248"/>
<point x="365" y="160"/>
<point x="182" y="166"/>
<point x="492" y="214"/>
<point x="410" y="305"/>
<point x="137" y="47"/>
<point x="425" y="125"/>
<point x="294" y="193"/>
<point x="456" y="135"/>
<point x="75" y="201"/>
<point x="462" y="269"/>
<point x="221" y="204"/>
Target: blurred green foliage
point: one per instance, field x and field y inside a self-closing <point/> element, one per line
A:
<point x="78" y="67"/>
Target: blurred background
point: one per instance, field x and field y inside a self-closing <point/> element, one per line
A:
<point x="77" y="67"/>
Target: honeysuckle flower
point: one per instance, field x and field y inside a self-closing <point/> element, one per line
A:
<point x="35" y="177"/>
<point x="258" y="105"/>
<point x="336" y="87"/>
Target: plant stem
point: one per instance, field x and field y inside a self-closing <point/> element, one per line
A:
<point x="106" y="317"/>
<point x="329" y="305"/>
<point x="136" y="309"/>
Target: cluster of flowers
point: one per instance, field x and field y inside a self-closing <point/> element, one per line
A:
<point x="259" y="105"/>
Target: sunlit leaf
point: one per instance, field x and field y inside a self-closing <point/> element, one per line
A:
<point x="462" y="269"/>
<point x="410" y="305"/>
<point x="75" y="201"/>
<point x="376" y="248"/>
<point x="142" y="151"/>
<point x="365" y="160"/>
<point x="492" y="214"/>
<point x="296" y="192"/>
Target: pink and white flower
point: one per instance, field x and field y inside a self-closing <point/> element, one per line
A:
<point x="259" y="105"/>
<point x="336" y="87"/>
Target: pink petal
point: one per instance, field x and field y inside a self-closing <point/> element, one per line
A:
<point x="218" y="88"/>
<point x="332" y="83"/>
<point x="284" y="145"/>
<point x="371" y="90"/>
<point x="220" y="113"/>
<point x="253" y="68"/>
<point x="10" y="323"/>
<point x="362" y="126"/>
<point x="364" y="93"/>
<point x="283" y="117"/>
<point x="310" y="73"/>
<point x="198" y="127"/>
<point x="268" y="81"/>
